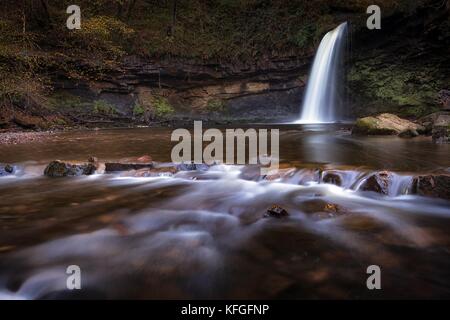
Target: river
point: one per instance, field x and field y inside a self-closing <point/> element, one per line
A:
<point x="203" y="234"/>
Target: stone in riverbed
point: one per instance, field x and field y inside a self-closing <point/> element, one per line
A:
<point x="63" y="169"/>
<point x="408" y="133"/>
<point x="378" y="182"/>
<point x="156" y="172"/>
<point x="319" y="209"/>
<point x="92" y="159"/>
<point x="437" y="186"/>
<point x="276" y="212"/>
<point x="6" y="170"/>
<point x="119" y="166"/>
<point x="332" y="178"/>
<point x="127" y="164"/>
<point x="384" y="124"/>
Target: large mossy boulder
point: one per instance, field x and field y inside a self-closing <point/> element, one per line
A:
<point x="386" y="124"/>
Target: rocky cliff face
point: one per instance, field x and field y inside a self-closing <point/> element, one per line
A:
<point x="403" y="69"/>
<point x="268" y="91"/>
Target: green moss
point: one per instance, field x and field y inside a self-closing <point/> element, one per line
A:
<point x="365" y="125"/>
<point x="60" y="122"/>
<point x="103" y="107"/>
<point x="66" y="101"/>
<point x="215" y="105"/>
<point x="138" y="110"/>
<point x="162" y="107"/>
<point x="408" y="90"/>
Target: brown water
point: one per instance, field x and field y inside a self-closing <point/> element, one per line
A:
<point x="203" y="234"/>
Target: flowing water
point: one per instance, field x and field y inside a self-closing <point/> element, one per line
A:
<point x="323" y="97"/>
<point x="203" y="234"/>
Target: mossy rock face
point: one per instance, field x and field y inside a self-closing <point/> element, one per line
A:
<point x="162" y="108"/>
<point x="384" y="124"/>
<point x="384" y="83"/>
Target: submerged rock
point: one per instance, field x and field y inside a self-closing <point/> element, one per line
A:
<point x="378" y="182"/>
<point x="276" y="212"/>
<point x="251" y="172"/>
<point x="384" y="124"/>
<point x="119" y="166"/>
<point x="6" y="170"/>
<point x="432" y="186"/>
<point x="156" y="172"/>
<point x="319" y="209"/>
<point x="62" y="169"/>
<point x="128" y="164"/>
<point x="280" y="174"/>
<point x="330" y="210"/>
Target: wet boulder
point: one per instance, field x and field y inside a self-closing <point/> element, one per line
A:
<point x="276" y="212"/>
<point x="332" y="178"/>
<point x="63" y="169"/>
<point x="441" y="129"/>
<point x="430" y="120"/>
<point x="437" y="186"/>
<point x="6" y="169"/>
<point x="408" y="133"/>
<point x="128" y="164"/>
<point x="156" y="172"/>
<point x="119" y="166"/>
<point x="384" y="124"/>
<point x="378" y="182"/>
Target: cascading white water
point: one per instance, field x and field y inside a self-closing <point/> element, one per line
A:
<point x="322" y="99"/>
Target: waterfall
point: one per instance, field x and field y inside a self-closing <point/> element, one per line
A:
<point x="322" y="102"/>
